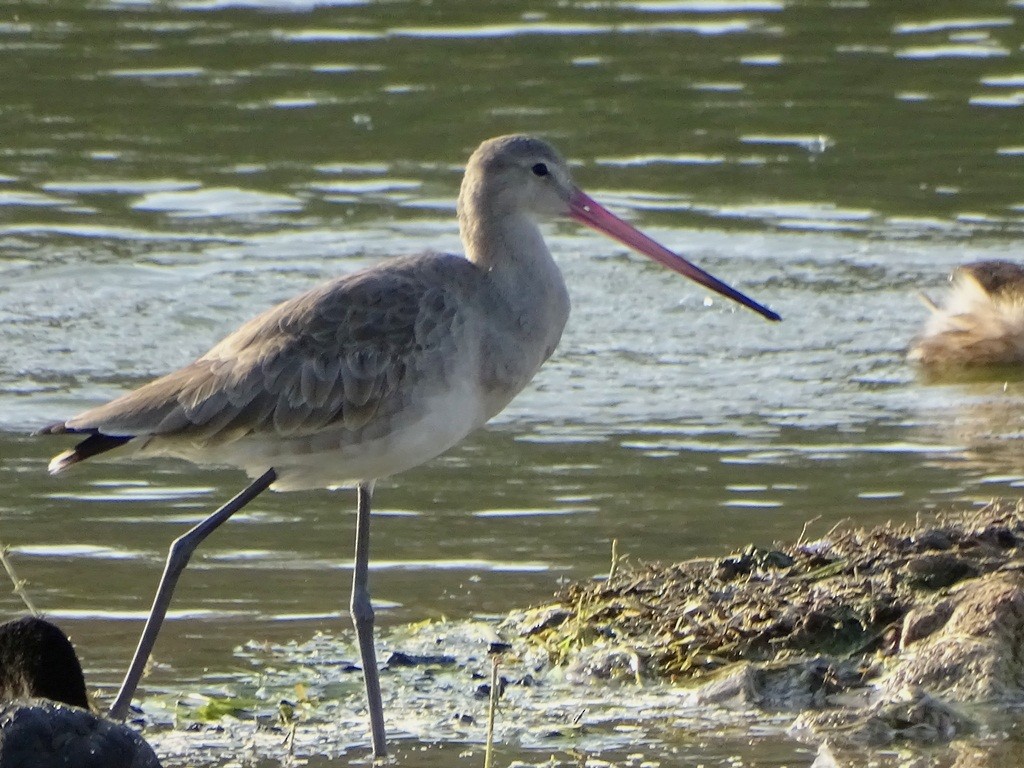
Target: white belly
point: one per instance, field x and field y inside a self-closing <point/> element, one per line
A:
<point x="330" y="458"/>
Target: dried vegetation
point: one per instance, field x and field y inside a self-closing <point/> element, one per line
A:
<point x="844" y="596"/>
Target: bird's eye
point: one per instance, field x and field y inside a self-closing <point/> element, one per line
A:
<point x="540" y="169"/>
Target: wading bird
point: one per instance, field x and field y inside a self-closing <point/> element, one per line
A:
<point x="980" y="323"/>
<point x="45" y="720"/>
<point x="374" y="372"/>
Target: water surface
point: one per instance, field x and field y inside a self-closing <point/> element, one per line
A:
<point x="169" y="169"/>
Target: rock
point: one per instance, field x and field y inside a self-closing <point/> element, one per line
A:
<point x="401" y="659"/>
<point x="778" y="686"/>
<point x="603" y="661"/>
<point x="939" y="570"/>
<point x="921" y="621"/>
<point x="909" y="715"/>
<point x="974" y="656"/>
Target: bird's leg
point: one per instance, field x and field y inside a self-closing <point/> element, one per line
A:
<point x="362" y="617"/>
<point x="177" y="558"/>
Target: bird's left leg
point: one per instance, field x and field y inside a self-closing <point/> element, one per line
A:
<point x="177" y="558"/>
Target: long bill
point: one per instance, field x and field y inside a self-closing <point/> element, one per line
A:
<point x="586" y="210"/>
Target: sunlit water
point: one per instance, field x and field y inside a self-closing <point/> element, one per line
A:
<point x="169" y="169"/>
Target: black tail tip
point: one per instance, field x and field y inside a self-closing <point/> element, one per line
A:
<point x="94" y="444"/>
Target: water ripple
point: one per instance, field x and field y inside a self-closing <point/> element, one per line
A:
<point x="133" y="492"/>
<point x="496" y="566"/>
<point x="216" y="202"/>
<point x="120" y="186"/>
<point x="328" y="36"/>
<point x="814" y="143"/>
<point x="684" y="158"/>
<point x="540" y="512"/>
<point x="157" y="72"/>
<point x="15" y="197"/>
<point x="948" y="25"/>
<point x="365" y="187"/>
<point x="953" y="51"/>
<point x="704" y="6"/>
<point x="1015" y="99"/>
<point x="90" y="551"/>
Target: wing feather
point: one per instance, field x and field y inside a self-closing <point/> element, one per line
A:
<point x="339" y="354"/>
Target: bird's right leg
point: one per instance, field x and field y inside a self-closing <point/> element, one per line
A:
<point x="177" y="558"/>
<point x="361" y="610"/>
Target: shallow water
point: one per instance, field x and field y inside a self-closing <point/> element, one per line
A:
<point x="169" y="169"/>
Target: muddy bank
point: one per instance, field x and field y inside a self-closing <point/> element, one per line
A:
<point x="873" y="635"/>
<point x="891" y="644"/>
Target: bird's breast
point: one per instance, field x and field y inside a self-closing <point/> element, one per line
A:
<point x="428" y="423"/>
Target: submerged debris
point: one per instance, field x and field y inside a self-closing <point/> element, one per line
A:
<point x="845" y="596"/>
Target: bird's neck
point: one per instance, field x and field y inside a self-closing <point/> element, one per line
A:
<point x="512" y="241"/>
<point x="512" y="251"/>
<point x="528" y="297"/>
